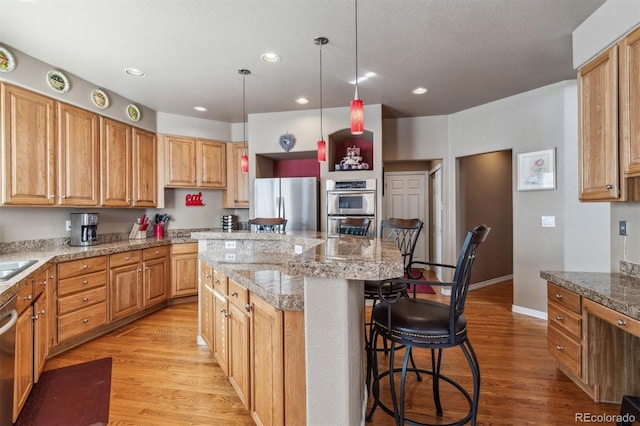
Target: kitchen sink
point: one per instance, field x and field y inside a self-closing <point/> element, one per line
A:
<point x="11" y="268"/>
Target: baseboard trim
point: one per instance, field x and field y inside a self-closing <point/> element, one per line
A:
<point x="529" y="312"/>
<point x="446" y="291"/>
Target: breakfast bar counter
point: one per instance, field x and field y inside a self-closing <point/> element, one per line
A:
<point x="322" y="276"/>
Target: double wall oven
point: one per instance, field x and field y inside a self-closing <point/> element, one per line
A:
<point x="350" y="198"/>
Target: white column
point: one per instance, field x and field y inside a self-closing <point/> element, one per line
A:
<point x="334" y="334"/>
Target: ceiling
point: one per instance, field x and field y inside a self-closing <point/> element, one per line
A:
<point x="465" y="52"/>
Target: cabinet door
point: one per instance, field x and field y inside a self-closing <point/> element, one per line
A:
<point x="237" y="193"/>
<point x="125" y="290"/>
<point x="180" y="162"/>
<point x="630" y="101"/>
<point x="206" y="315"/>
<point x="79" y="157"/>
<point x="23" y="380"/>
<point x="156" y="277"/>
<point x="239" y="365"/>
<point x="211" y="164"/>
<point x="28" y="123"/>
<point x="184" y="273"/>
<point x="220" y="334"/>
<point x="598" y="124"/>
<point x="41" y="319"/>
<point x="145" y="169"/>
<point x="267" y="363"/>
<point x="116" y="171"/>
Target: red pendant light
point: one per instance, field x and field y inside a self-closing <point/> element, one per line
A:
<point x="357" y="106"/>
<point x="244" y="159"/>
<point x="322" y="145"/>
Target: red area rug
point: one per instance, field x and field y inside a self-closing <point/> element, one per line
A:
<point x="77" y="395"/>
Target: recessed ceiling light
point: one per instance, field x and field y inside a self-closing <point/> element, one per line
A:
<point x="134" y="72"/>
<point x="419" y="91"/>
<point x="270" y="58"/>
<point x="200" y="108"/>
<point x="302" y="101"/>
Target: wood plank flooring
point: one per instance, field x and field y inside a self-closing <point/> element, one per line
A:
<point x="161" y="377"/>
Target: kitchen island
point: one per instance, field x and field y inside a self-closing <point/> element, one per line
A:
<point x="594" y="329"/>
<point x="322" y="276"/>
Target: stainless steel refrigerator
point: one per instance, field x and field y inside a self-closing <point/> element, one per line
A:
<point x="294" y="199"/>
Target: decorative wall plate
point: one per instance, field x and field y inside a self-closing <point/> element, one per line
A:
<point x="133" y="112"/>
<point x="58" y="81"/>
<point x="7" y="63"/>
<point x="99" y="98"/>
<point x="287" y="141"/>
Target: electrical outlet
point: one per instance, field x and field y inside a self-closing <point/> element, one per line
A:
<point x="230" y="245"/>
<point x="67" y="225"/>
<point x="622" y="227"/>
<point x="548" y="221"/>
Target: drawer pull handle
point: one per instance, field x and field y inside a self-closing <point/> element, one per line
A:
<point x="156" y="252"/>
<point x="85" y="299"/>
<point x="560" y="348"/>
<point x="558" y="296"/>
<point x="86" y="320"/>
<point x="609" y="186"/>
<point x="41" y="312"/>
<point x="208" y="275"/>
<point x="559" y="317"/>
<point x="234" y="293"/>
<point x="621" y="323"/>
<point x="217" y="281"/>
<point x="85" y="266"/>
<point x="127" y="258"/>
<point x="248" y="307"/>
<point x="85" y="282"/>
<point x="29" y="297"/>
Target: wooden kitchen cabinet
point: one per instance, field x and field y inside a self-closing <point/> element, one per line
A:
<point x="236" y="196"/>
<point x="145" y="168"/>
<point x="24" y="350"/>
<point x="599" y="176"/>
<point x="184" y="269"/>
<point x="79" y="157"/>
<point x="117" y="164"/>
<point x="81" y="297"/>
<point x="125" y="284"/>
<point x="155" y="267"/>
<point x="239" y="326"/>
<point x="195" y="163"/>
<point x="207" y="304"/>
<point x="565" y="328"/>
<point x="28" y="123"/>
<point x="220" y="342"/>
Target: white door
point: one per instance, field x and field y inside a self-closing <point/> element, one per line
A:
<point x="406" y="197"/>
<point x="436" y="218"/>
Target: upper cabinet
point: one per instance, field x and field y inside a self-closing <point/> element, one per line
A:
<point x="28" y="151"/>
<point x="54" y="154"/>
<point x="609" y="131"/>
<point x="236" y="196"/>
<point x="598" y="106"/>
<point x="195" y="163"/>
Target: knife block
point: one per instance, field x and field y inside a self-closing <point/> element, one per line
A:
<point x="137" y="234"/>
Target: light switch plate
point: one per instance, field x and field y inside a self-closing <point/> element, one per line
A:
<point x="548" y="221"/>
<point x="230" y="245"/>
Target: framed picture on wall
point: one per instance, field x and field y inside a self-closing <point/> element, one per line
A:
<point x="537" y="170"/>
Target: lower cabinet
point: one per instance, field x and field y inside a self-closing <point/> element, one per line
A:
<point x="258" y="347"/>
<point x="184" y="269"/>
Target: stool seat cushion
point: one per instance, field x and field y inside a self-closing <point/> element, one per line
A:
<point x="417" y="319"/>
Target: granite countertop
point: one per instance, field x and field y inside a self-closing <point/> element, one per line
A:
<point x="273" y="266"/>
<point x="64" y="253"/>
<point x="617" y="291"/>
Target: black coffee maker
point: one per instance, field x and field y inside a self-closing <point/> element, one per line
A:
<point x="84" y="229"/>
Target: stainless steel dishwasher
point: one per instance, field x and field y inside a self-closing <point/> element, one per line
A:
<point x="8" y="319"/>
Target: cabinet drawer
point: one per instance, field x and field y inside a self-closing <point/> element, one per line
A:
<point x="125" y="258"/>
<point x="81" y="321"/>
<point x="621" y="321"/>
<point x="81" y="267"/>
<point x="186" y="248"/>
<point x="238" y="295"/>
<point x="85" y="282"/>
<point x="569" y="321"/>
<point x="81" y="300"/>
<point x="155" y="252"/>
<point x="565" y="298"/>
<point x="565" y="349"/>
<point x="220" y="282"/>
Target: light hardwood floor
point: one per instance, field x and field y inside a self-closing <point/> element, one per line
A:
<point x="161" y="377"/>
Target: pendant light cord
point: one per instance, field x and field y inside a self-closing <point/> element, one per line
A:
<point x="244" y="108"/>
<point x="321" y="133"/>
<point x="356" y="97"/>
